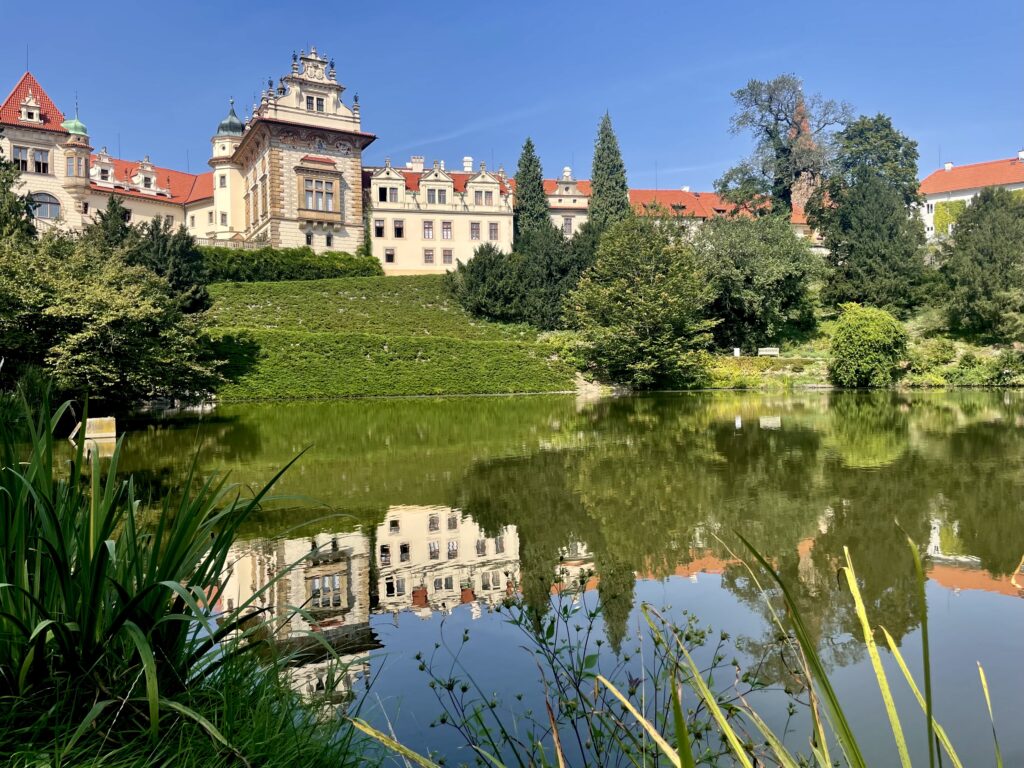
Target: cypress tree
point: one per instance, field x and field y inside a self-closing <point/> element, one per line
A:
<point x="609" y="196"/>
<point x="531" y="204"/>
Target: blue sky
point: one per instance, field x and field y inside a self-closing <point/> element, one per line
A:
<point x="467" y="78"/>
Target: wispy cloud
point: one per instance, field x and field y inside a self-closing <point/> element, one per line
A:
<point x="477" y="126"/>
<point x="651" y="173"/>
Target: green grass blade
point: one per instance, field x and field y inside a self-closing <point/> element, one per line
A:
<point x="876" y="662"/>
<point x="87" y="721"/>
<point x="991" y="717"/>
<point x="149" y="668"/>
<point x="925" y="649"/>
<point x="682" y="732"/>
<point x="841" y="726"/>
<point x="939" y="731"/>
<point x="393" y="745"/>
<point x="646" y="724"/>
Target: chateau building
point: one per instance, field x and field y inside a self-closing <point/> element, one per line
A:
<point x="949" y="190"/>
<point x="425" y="220"/>
<point x="290" y="174"/>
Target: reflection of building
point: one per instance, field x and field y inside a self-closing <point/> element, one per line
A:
<point x="433" y="558"/>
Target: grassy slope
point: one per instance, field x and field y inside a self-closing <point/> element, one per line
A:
<point x="372" y="336"/>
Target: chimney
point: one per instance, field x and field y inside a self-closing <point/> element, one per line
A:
<point x="948" y="166"/>
<point x="467" y="164"/>
<point x="442" y="165"/>
<point x="416" y="163"/>
<point x="1020" y="156"/>
<point x="686" y="189"/>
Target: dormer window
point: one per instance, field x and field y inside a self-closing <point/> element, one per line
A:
<point x="104" y="174"/>
<point x="309" y="103"/>
<point x="319" y="105"/>
<point x="431" y="196"/>
<point x="442" y="196"/>
<point x="30" y="110"/>
<point x="147" y="182"/>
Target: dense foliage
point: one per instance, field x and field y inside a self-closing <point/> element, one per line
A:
<point x="97" y="323"/>
<point x="641" y="307"/>
<point x="761" y="277"/>
<point x="867" y="346"/>
<point x="272" y="264"/>
<point x="531" y="203"/>
<point x="876" y="247"/>
<point x="983" y="267"/>
<point x="609" y="196"/>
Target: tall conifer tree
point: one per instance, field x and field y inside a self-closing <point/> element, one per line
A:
<point x="609" y="197"/>
<point x="531" y="204"/>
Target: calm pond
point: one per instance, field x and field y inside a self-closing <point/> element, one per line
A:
<point x="425" y="513"/>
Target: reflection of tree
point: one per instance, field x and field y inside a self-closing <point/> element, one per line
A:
<point x="615" y="590"/>
<point x="868" y="429"/>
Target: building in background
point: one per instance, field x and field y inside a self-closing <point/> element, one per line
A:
<point x="949" y="190"/>
<point x="425" y="220"/>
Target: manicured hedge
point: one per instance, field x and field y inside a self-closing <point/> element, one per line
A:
<point x="298" y="364"/>
<point x="272" y="264"/>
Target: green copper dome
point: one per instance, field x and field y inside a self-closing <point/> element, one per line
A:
<point x="231" y="125"/>
<point x="75" y="126"/>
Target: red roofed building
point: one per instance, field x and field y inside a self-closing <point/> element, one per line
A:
<point x="949" y="190"/>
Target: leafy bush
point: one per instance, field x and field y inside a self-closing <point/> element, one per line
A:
<point x="272" y="264"/>
<point x="641" y="307"/>
<point x="108" y="641"/>
<point x="930" y="354"/>
<point x="867" y="345"/>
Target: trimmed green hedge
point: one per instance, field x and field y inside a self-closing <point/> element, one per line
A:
<point x="298" y="364"/>
<point x="272" y="264"/>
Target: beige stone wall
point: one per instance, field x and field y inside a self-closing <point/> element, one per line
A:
<point x="51" y="183"/>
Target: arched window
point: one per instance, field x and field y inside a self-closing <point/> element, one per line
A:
<point x="45" y="206"/>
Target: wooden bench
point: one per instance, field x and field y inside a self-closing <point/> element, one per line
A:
<point x="767" y="351"/>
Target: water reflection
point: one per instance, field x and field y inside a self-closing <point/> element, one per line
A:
<point x="425" y="505"/>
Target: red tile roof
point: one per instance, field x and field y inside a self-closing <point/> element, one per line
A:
<point x="974" y="176"/>
<point x="551" y="186"/>
<point x="183" y="187"/>
<point x="702" y="205"/>
<point x="412" y="180"/>
<point x="10" y="110"/>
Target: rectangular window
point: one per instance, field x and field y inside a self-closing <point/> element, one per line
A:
<point x="104" y="174"/>
<point x="329" y="195"/>
<point x="385" y="554"/>
<point x="485" y="580"/>
<point x="169" y="221"/>
<point x="428" y="230"/>
<point x="329" y="240"/>
<point x="192" y="221"/>
<point x="481" y="547"/>
<point x="499" y="545"/>
<point x="223" y="219"/>
<point x="446" y="230"/>
<point x="453" y="549"/>
<point x="428" y="256"/>
<point x="567" y="226"/>
<point x="309" y="238"/>
<point x="309" y="103"/>
<point x="442" y="196"/>
<point x="222" y="180"/>
<point x="403" y="553"/>
<point x="147" y="182"/>
<point x="474" y="230"/>
<point x="392" y="194"/>
<point x="930" y="208"/>
<point x="492" y="230"/>
<point x="71" y="166"/>
<point x="434" y="548"/>
<point x="83" y="166"/>
<point x="438" y="582"/>
<point x="400" y="586"/>
<point x="488" y="198"/>
<point x="446" y="256"/>
<point x="21" y="159"/>
<point x="41" y="161"/>
<point x="394" y="526"/>
<point x="389" y="587"/>
<point x="399" y="227"/>
<point x="382" y="194"/>
<point x="478" y="197"/>
<point x="431" y="196"/>
<point x="378" y="227"/>
<point x="209" y="217"/>
<point x="85" y="207"/>
<point x="319" y="105"/>
<point x="434" y="523"/>
<point x="453" y="521"/>
<point x="389" y="255"/>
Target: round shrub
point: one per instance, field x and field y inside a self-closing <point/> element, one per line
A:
<point x="867" y="345"/>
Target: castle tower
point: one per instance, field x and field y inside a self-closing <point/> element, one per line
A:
<point x="76" y="156"/>
<point x="227" y="179"/>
